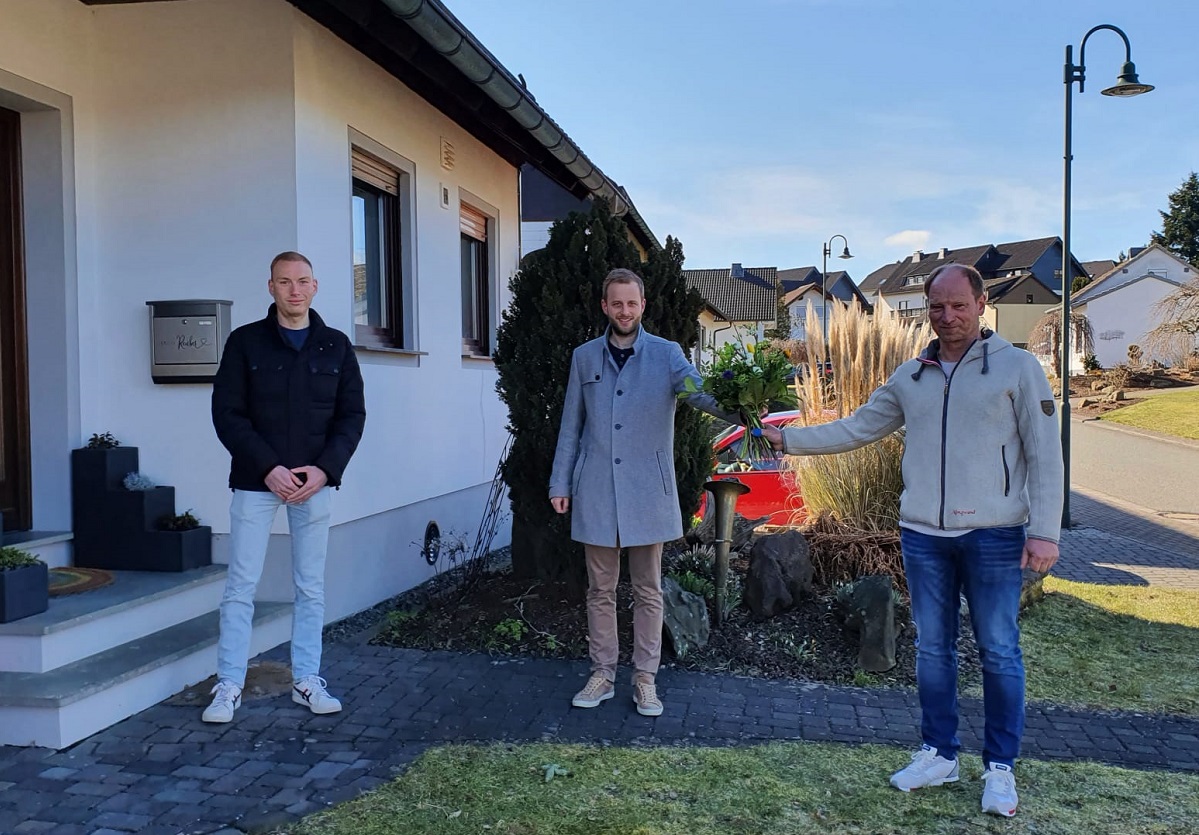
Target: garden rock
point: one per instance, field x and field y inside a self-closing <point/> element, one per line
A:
<point x="1032" y="588"/>
<point x="1116" y="395"/>
<point x="870" y="609"/>
<point x="780" y="573"/>
<point x="685" y="618"/>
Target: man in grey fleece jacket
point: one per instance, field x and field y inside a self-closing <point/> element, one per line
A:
<point x="982" y="499"/>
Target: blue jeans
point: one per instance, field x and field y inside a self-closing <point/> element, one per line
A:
<point x="251" y="515"/>
<point x="985" y="565"/>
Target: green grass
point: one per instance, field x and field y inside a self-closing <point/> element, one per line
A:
<point x="783" y="788"/>
<point x="1114" y="647"/>
<point x="1172" y="414"/>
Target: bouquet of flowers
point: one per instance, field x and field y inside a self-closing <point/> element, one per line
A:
<point x="748" y="380"/>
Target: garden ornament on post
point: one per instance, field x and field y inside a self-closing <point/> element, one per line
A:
<point x="725" y="491"/>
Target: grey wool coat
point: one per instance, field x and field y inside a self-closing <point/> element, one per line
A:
<point x="615" y="454"/>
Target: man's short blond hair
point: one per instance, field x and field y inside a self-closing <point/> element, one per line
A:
<point x="973" y="275"/>
<point x="622" y="276"/>
<point x="289" y="255"/>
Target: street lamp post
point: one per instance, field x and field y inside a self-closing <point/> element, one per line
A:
<point x="1126" y="85"/>
<point x="828" y="249"/>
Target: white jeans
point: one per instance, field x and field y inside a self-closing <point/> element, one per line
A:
<point x="251" y="515"/>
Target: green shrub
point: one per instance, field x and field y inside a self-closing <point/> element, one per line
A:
<point x="11" y="557"/>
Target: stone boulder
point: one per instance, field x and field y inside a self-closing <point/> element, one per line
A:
<point x="1032" y="589"/>
<point x="780" y="573"/>
<point x="684" y="618"/>
<point x="869" y="609"/>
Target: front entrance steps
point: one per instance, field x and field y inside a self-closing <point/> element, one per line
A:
<point x="51" y="547"/>
<point x="96" y="658"/>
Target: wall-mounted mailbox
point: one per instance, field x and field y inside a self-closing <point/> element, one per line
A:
<point x="186" y="339"/>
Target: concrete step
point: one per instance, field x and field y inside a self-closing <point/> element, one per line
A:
<point x="51" y="547"/>
<point x="135" y="604"/>
<point x="58" y="708"/>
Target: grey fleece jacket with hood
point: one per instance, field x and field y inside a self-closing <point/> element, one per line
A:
<point x="983" y="444"/>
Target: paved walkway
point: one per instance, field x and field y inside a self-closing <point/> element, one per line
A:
<point x="164" y="772"/>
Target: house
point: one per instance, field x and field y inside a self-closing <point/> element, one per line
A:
<point x="1120" y="303"/>
<point x="740" y="305"/>
<point x="1021" y="278"/>
<point x="804" y="286"/>
<point x="544" y="200"/>
<point x="167" y="151"/>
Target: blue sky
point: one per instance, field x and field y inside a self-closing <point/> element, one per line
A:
<point x="754" y="131"/>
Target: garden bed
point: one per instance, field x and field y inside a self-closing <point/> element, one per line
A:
<point x="506" y="615"/>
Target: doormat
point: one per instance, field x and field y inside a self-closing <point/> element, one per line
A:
<point x="65" y="581"/>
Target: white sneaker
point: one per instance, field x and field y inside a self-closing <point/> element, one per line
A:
<point x="226" y="699"/>
<point x="310" y="691"/>
<point x="927" y="769"/>
<point x="999" y="790"/>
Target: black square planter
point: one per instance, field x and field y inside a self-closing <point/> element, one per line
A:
<point x="24" y="591"/>
<point x="176" y="550"/>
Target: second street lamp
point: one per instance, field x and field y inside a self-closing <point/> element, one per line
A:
<point x="1126" y="85"/>
<point x="828" y="248"/>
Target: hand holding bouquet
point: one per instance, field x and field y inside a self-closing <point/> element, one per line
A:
<point x="748" y="379"/>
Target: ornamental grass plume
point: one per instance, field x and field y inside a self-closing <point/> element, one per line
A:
<point x="859" y="488"/>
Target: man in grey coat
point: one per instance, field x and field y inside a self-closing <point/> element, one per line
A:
<point x="614" y="472"/>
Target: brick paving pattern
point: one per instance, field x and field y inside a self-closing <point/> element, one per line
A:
<point x="164" y="772"/>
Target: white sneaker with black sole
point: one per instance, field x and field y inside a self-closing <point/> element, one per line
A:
<point x="927" y="768"/>
<point x="310" y="691"/>
<point x="226" y="698"/>
<point x="999" y="790"/>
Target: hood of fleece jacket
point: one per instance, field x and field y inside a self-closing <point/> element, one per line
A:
<point x="988" y="343"/>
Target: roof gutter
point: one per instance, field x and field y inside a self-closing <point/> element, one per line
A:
<point x="444" y="33"/>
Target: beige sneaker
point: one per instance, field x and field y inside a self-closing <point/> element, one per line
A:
<point x="645" y="694"/>
<point x="598" y="689"/>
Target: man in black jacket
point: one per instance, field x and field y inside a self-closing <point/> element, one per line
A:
<point x="287" y="403"/>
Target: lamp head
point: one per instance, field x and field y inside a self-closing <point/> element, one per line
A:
<point x="1127" y="83"/>
<point x="845" y="253"/>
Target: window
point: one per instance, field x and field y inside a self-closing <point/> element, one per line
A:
<point x="1160" y="273"/>
<point x="476" y="282"/>
<point x="1028" y="298"/>
<point x="379" y="219"/>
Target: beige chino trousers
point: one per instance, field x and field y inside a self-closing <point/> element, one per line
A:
<point x="603" y="571"/>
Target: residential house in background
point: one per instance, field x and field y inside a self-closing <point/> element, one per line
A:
<point x="803" y="287"/>
<point x="167" y="151"/>
<point x="1094" y="269"/>
<point x="1022" y="278"/>
<point x="1119" y="303"/>
<point x="544" y="200"/>
<point x="740" y="304"/>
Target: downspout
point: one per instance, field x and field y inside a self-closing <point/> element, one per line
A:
<point x="441" y="30"/>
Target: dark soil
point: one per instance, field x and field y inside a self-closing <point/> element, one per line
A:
<point x="504" y="615"/>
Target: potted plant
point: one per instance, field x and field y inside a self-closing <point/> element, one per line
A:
<point x="181" y="542"/>
<point x="24" y="585"/>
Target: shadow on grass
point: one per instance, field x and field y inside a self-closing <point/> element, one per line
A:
<point x="1083" y="653"/>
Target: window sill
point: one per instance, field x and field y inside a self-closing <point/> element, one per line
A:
<point x="482" y="357"/>
<point x="383" y="349"/>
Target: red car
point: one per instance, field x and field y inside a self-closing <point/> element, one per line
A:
<point x="772" y="490"/>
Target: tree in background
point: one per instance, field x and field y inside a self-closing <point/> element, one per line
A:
<point x="1176" y="338"/>
<point x="1079" y="282"/>
<point x="1045" y="338"/>
<point x="555" y="308"/>
<point x="1180" y="225"/>
<point x="782" y="316"/>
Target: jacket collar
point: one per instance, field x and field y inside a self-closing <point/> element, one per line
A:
<point x="315" y="323"/>
<point x="988" y="343"/>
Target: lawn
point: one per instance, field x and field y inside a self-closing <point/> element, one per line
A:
<point x="778" y="788"/>
<point x="1172" y="414"/>
<point x="1116" y="647"/>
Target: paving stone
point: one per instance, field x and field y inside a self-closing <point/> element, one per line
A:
<point x="120" y="822"/>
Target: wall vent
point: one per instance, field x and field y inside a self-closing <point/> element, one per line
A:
<point x="447" y="154"/>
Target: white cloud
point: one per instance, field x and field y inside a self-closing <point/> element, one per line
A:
<point x="909" y="238"/>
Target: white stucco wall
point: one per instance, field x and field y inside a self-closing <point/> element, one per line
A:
<point x="199" y="139"/>
<point x="1123" y="316"/>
